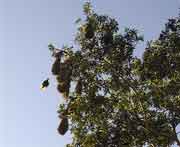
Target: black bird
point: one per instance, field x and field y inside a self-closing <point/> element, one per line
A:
<point x="45" y="84"/>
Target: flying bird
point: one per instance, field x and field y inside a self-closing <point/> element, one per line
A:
<point x="44" y="84"/>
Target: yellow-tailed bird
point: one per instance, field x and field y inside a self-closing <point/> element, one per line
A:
<point x="44" y="84"/>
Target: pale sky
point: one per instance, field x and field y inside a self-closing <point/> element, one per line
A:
<point x="28" y="116"/>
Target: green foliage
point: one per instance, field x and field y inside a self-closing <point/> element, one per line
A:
<point x="113" y="98"/>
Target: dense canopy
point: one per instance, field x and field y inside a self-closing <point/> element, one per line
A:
<point x="114" y="99"/>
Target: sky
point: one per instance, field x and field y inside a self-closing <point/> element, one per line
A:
<point x="28" y="116"/>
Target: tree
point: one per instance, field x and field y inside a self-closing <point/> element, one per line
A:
<point x="114" y="99"/>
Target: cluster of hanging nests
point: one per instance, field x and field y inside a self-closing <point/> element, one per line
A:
<point x="62" y="68"/>
<point x="63" y="72"/>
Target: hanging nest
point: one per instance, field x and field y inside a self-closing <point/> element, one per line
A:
<point x="63" y="87"/>
<point x="99" y="99"/>
<point x="65" y="72"/>
<point x="63" y="78"/>
<point x="116" y="83"/>
<point x="60" y="79"/>
<point x="56" y="67"/>
<point x="89" y="31"/>
<point x="108" y="38"/>
<point x="63" y="126"/>
<point x="78" y="88"/>
<point x="63" y="69"/>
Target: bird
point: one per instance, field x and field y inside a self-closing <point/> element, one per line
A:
<point x="44" y="84"/>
